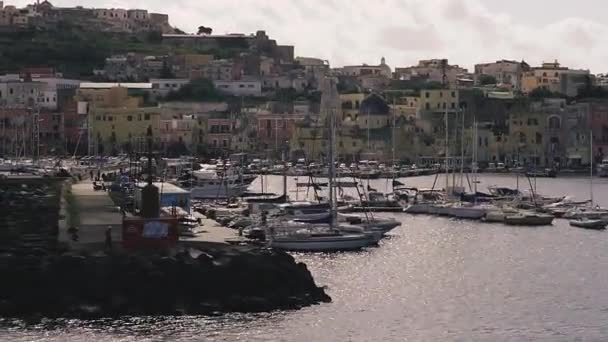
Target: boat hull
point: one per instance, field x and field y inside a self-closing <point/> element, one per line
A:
<point x="323" y="244"/>
<point x="467" y="213"/>
<point x="529" y="220"/>
<point x="589" y="224"/>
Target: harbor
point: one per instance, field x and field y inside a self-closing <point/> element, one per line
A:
<point x="431" y="272"/>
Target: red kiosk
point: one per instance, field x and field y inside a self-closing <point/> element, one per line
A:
<point x="150" y="231"/>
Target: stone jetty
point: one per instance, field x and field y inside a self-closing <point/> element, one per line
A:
<point x="188" y="281"/>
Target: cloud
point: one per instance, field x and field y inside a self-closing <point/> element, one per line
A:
<point x="404" y="31"/>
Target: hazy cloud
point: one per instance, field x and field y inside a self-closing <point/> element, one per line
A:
<point x="355" y="31"/>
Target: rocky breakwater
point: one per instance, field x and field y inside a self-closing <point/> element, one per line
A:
<point x="189" y="281"/>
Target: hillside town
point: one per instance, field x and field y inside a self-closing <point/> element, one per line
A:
<point x="212" y="95"/>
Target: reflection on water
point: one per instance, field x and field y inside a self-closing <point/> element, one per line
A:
<point x="433" y="279"/>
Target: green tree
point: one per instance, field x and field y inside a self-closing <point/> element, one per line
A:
<point x="197" y="90"/>
<point x="487" y="80"/>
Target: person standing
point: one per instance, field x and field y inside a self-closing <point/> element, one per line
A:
<point x="109" y="238"/>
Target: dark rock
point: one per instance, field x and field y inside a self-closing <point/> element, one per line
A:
<point x="220" y="279"/>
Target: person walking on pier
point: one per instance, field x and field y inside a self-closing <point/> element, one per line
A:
<point x="109" y="238"/>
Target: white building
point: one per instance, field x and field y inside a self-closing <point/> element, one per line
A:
<point x="161" y="87"/>
<point x="367" y="70"/>
<point x="504" y="71"/>
<point x="240" y="88"/>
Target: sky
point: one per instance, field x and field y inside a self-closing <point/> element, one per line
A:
<point x="404" y="31"/>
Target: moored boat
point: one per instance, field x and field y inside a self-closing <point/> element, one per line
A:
<point x="529" y="219"/>
<point x="589" y="224"/>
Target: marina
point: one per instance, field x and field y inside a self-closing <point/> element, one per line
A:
<point x="455" y="268"/>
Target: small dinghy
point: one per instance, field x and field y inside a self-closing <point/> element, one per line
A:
<point x="589" y="224"/>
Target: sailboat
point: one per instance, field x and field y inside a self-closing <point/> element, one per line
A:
<point x="324" y="238"/>
<point x="585" y="221"/>
<point x="464" y="210"/>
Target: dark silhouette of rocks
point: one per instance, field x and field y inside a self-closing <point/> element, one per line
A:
<point x="190" y="281"/>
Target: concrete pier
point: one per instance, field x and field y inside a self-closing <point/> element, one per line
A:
<point x="96" y="213"/>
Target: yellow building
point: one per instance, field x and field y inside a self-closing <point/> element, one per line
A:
<point x="117" y="122"/>
<point x="407" y="107"/>
<point x="439" y="100"/>
<point x="553" y="77"/>
<point x="309" y="141"/>
<point x="108" y="98"/>
<point x="526" y="138"/>
<point x="122" y="129"/>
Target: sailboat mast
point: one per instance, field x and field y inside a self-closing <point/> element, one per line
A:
<point x="475" y="164"/>
<point x="393" y="133"/>
<point x="332" y="166"/>
<point x="368" y="130"/>
<point x="447" y="156"/>
<point x="462" y="151"/>
<point x="591" y="168"/>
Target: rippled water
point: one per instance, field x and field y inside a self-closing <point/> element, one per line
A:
<point x="434" y="279"/>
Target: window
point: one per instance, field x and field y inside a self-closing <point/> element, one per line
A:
<point x="539" y="138"/>
<point x="138" y="117"/>
<point x="453" y="105"/>
<point x="129" y="118"/>
<point x="453" y="94"/>
<point x="354" y="144"/>
<point x="250" y="86"/>
<point x="10" y="91"/>
<point x="440" y="94"/>
<point x="428" y="106"/>
<point x="427" y="94"/>
<point x="146" y="116"/>
<point x="113" y="127"/>
<point x="241" y="86"/>
<point x="225" y="142"/>
<point x="110" y="118"/>
<point x="98" y="118"/>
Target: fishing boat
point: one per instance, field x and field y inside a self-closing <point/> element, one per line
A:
<point x="529" y="219"/>
<point x="589" y="224"/>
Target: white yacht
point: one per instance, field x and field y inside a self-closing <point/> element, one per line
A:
<point x="212" y="182"/>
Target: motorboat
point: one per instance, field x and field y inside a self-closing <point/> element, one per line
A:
<point x="589" y="224"/>
<point x="497" y="214"/>
<point x="529" y="219"/>
<point x="602" y="169"/>
<point x="467" y="211"/>
<point x="586" y="212"/>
